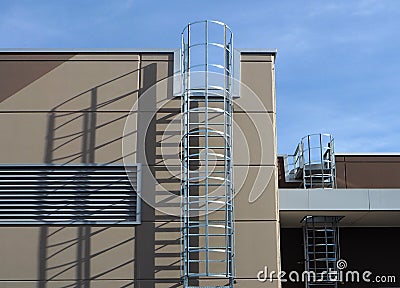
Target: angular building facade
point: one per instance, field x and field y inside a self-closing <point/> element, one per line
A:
<point x="92" y="172"/>
<point x="67" y="110"/>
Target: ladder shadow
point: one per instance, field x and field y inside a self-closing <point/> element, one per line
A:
<point x="66" y="257"/>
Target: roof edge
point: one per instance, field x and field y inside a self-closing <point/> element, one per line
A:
<point x="258" y="50"/>
<point x="367" y="154"/>
<point x="119" y="50"/>
<point x="87" y="50"/>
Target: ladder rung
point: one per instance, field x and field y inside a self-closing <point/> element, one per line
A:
<point x="222" y="159"/>
<point x="203" y="135"/>
<point x="209" y="123"/>
<point x="323" y="260"/>
<point x="203" y="261"/>
<point x="321" y="229"/>
<point x="218" y="250"/>
<point x="204" y="147"/>
<point x="208" y="286"/>
<point x="209" y="184"/>
<point x="211" y="235"/>
<point x="204" y="196"/>
<point x="209" y="225"/>
<point x="205" y="210"/>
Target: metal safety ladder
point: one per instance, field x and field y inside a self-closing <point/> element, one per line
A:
<point x="321" y="249"/>
<point x="207" y="170"/>
<point x="313" y="163"/>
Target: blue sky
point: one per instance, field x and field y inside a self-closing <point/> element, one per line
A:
<point x="338" y="65"/>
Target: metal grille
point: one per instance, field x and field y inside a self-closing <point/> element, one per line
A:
<point x="207" y="174"/>
<point x="321" y="249"/>
<point x="70" y="194"/>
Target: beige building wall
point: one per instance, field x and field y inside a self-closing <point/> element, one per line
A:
<point x="61" y="108"/>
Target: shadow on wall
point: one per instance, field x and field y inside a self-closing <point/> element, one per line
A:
<point x="68" y="253"/>
<point x="71" y="135"/>
<point x="129" y="256"/>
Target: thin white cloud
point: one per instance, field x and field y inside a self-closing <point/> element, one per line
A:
<point x="370" y="7"/>
<point x="318" y="9"/>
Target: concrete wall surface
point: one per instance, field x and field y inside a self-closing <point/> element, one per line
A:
<point x="62" y="108"/>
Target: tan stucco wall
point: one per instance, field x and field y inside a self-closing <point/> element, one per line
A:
<point x="72" y="108"/>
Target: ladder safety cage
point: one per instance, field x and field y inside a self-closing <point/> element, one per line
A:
<point x="321" y="250"/>
<point x="207" y="232"/>
<point x="314" y="162"/>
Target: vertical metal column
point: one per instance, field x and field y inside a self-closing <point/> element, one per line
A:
<point x="321" y="250"/>
<point x="207" y="170"/>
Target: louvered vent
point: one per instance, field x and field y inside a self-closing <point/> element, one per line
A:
<point x="69" y="194"/>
